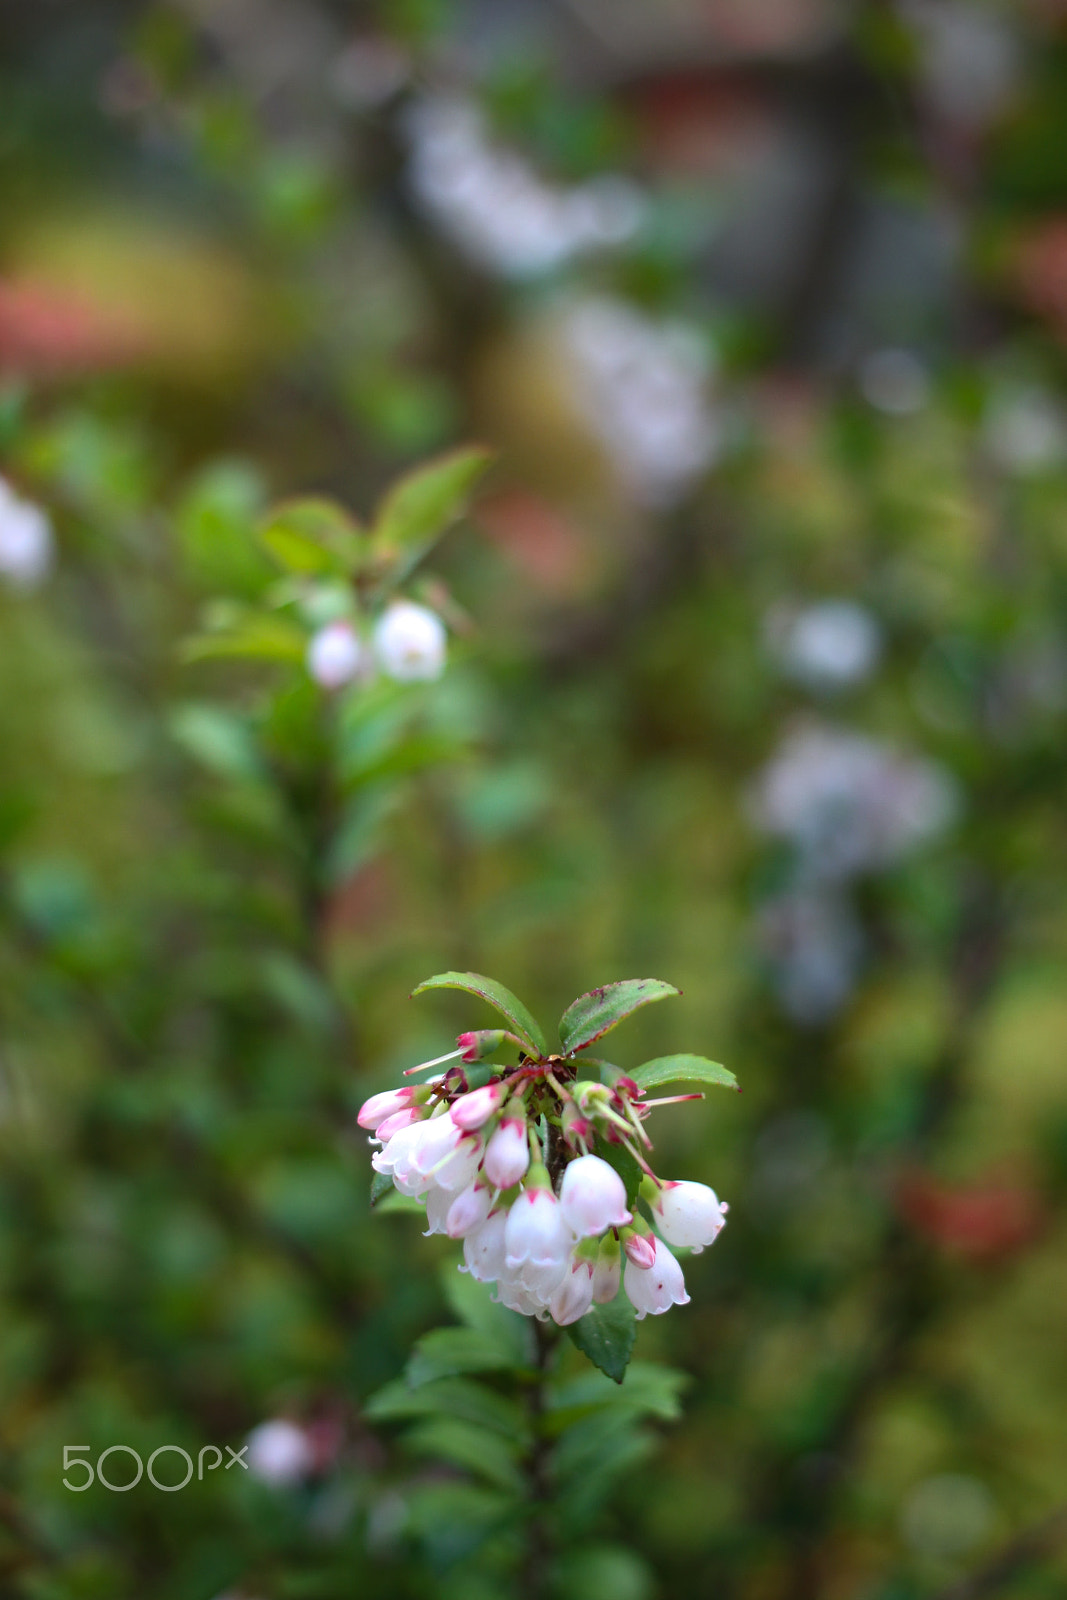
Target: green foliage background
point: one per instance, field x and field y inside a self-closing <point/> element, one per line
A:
<point x="208" y="945"/>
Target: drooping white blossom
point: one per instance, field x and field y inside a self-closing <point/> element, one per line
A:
<point x="593" y="1197"/>
<point x="504" y="1159"/>
<point x="688" y="1215"/>
<point x="507" y="1155"/>
<point x="410" y="642"/>
<point x="653" y="1290"/>
<point x="336" y="655"/>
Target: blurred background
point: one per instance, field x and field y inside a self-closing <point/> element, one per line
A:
<point x="758" y="684"/>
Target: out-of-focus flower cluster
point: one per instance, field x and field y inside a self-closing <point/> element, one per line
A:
<point x="495" y="206"/>
<point x="408" y="643"/>
<point x="848" y="805"/>
<point x="643" y="388"/>
<point x="516" y="1162"/>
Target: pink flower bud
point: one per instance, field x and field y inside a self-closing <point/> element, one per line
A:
<point x="474" y="1109"/>
<point x="398" y="1120"/>
<point x="379" y="1106"/>
<point x="640" y="1250"/>
<point x="507" y="1154"/>
<point x="593" y="1197"/>
<point x="476" y="1046"/>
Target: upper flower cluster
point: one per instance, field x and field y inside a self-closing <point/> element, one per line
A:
<point x="408" y="643"/>
<point x="540" y="1167"/>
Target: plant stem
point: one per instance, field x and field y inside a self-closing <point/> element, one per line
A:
<point x="538" y="1527"/>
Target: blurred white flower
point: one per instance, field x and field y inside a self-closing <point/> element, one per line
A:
<point x="643" y="388"/>
<point x="813" y="941"/>
<point x="1026" y="430"/>
<point x="947" y="1515"/>
<point x="894" y="381"/>
<point x="410" y="642"/>
<point x="336" y="655"/>
<point x="25" y="540"/>
<point x="849" y="803"/>
<point x="825" y="646"/>
<point x="497" y="208"/>
<point x="279" y="1453"/>
<point x="969" y="58"/>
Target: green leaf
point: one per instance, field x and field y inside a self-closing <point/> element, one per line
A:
<point x="467" y="1445"/>
<point x="594" y="1014"/>
<point x="606" y="1335"/>
<point x="380" y="1186"/>
<point x="453" y="1520"/>
<point x="461" y="1398"/>
<point x="499" y="998"/>
<point x="389" y="1204"/>
<point x="650" y="1390"/>
<point x="448" y="1352"/>
<point x="218" y="739"/>
<point x="682" y="1069"/>
<point x="624" y="1165"/>
<point x="258" y="639"/>
<point x="420" y="506"/>
<point x="474" y="1305"/>
<point x="311" y="537"/>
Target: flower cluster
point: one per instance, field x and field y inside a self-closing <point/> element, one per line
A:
<point x="408" y="644"/>
<point x="524" y="1164"/>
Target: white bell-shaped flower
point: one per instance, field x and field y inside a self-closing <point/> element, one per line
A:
<point x="410" y="642"/>
<point x="607" y="1274"/>
<point x="511" y="1292"/>
<point x="458" y="1170"/>
<point x="336" y="655"/>
<point x="507" y="1155"/>
<point x="468" y="1209"/>
<point x="689" y="1215"/>
<point x="438" y="1204"/>
<point x="538" y="1240"/>
<point x="593" y="1197"/>
<point x="398" y="1159"/>
<point x="435" y="1142"/>
<point x="574" y="1295"/>
<point x="484" y="1249"/>
<point x="653" y="1290"/>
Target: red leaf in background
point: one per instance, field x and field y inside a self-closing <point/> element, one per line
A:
<point x="991" y="1219"/>
<point x="43" y="331"/>
<point x="1041" y="271"/>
